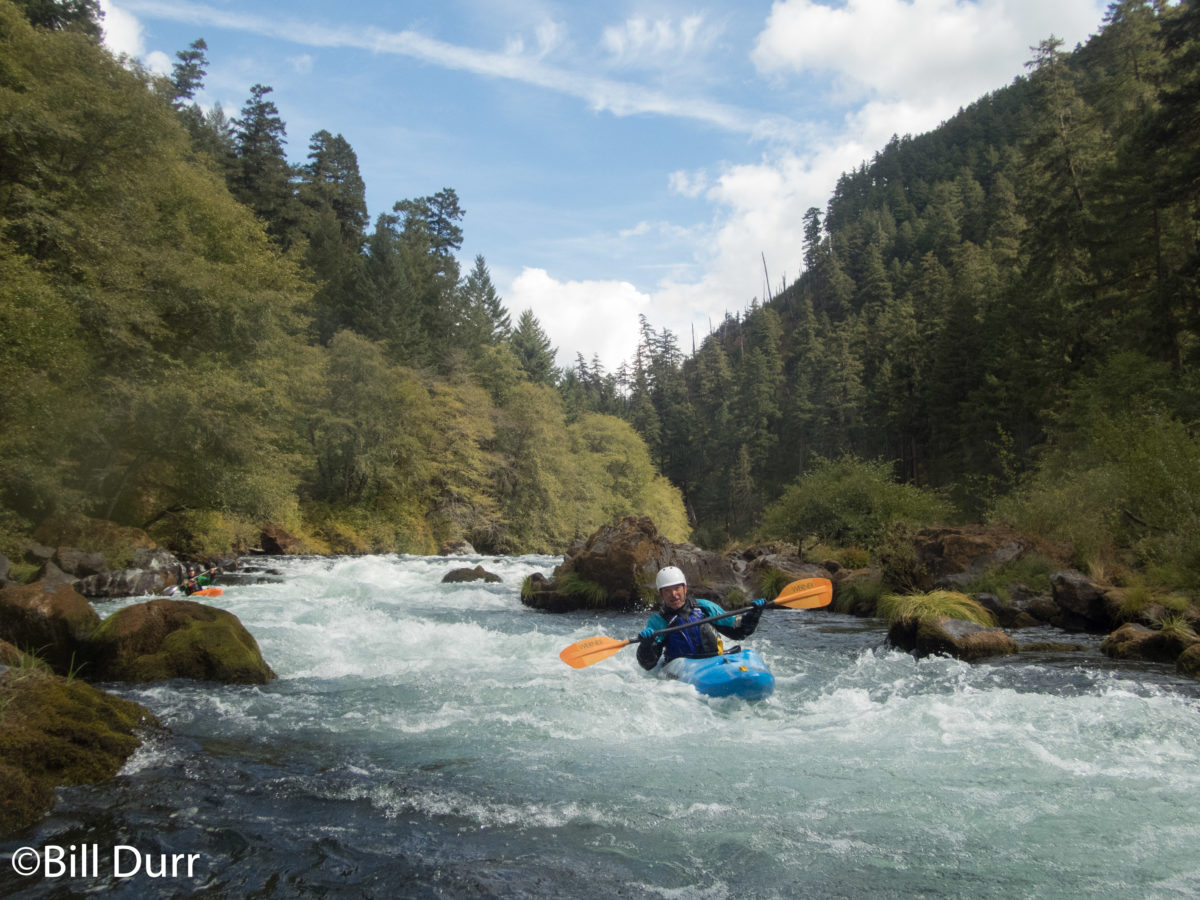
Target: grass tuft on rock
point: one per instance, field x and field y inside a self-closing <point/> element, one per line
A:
<point x="932" y="605"/>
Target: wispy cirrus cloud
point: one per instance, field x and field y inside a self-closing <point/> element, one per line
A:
<point x="515" y="63"/>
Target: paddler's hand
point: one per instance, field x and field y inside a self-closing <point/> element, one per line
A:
<point x="645" y="634"/>
<point x="760" y="603"/>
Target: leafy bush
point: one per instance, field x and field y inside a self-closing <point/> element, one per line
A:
<point x="849" y="501"/>
<point x="1127" y="492"/>
<point x="857" y="592"/>
<point x="1031" y="569"/>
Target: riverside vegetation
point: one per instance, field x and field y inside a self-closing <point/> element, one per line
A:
<point x="997" y="321"/>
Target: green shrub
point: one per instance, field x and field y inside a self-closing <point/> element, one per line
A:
<point x="849" y="501"/>
<point x="899" y="565"/>
<point x="1032" y="570"/>
<point x="858" y="592"/>
<point x="1120" y="479"/>
<point x="956" y="605"/>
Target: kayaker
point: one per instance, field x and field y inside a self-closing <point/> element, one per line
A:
<point x="196" y="582"/>
<point x="676" y="608"/>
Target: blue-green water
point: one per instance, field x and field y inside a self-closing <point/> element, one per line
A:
<point x="425" y="740"/>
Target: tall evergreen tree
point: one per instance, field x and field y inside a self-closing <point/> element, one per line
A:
<point x="261" y="177"/>
<point x="533" y="349"/>
<point x="485" y="320"/>
<point x="187" y="76"/>
<point x="331" y="178"/>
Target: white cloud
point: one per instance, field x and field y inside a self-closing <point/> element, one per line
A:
<point x="621" y="98"/>
<point x="930" y="52"/>
<point x="639" y="41"/>
<point x="688" y="184"/>
<point x="159" y="63"/>
<point x="122" y="31"/>
<point x="586" y="317"/>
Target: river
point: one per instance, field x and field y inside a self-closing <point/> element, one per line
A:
<point x="425" y="740"/>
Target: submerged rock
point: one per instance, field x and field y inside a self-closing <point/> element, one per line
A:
<point x="479" y="573"/>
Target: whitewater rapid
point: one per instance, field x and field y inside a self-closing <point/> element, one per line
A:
<point x="425" y="740"/>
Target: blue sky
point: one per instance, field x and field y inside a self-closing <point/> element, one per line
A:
<point x="612" y="158"/>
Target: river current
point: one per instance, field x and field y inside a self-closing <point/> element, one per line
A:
<point x="425" y="740"/>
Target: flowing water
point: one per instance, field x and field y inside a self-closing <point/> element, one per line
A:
<point x="425" y="740"/>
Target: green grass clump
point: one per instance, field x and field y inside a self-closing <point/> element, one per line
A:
<point x="1177" y="626"/>
<point x="932" y="605"/>
<point x="588" y="592"/>
<point x="856" y="592"/>
<point x="771" y="582"/>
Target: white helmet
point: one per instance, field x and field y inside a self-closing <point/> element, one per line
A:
<point x="668" y="577"/>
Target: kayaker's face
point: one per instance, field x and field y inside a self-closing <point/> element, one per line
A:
<point x="673" y="597"/>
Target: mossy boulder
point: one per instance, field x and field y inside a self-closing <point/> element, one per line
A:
<point x="1133" y="641"/>
<point x="57" y="731"/>
<point x="165" y="639"/>
<point x="943" y="635"/>
<point x="1189" y="661"/>
<point x="47" y="621"/>
<point x="623" y="559"/>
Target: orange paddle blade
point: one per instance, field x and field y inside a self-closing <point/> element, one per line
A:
<point x="591" y="650"/>
<point x="808" y="593"/>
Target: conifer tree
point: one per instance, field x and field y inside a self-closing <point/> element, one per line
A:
<point x="261" y="177"/>
<point x="84" y="16"/>
<point x="533" y="349"/>
<point x="485" y="320"/>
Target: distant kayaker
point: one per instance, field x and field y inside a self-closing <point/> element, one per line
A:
<point x="675" y="608"/>
<point x="197" y="581"/>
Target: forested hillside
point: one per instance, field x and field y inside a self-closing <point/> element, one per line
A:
<point x="199" y="338"/>
<point x="998" y="319"/>
<point x="1005" y="310"/>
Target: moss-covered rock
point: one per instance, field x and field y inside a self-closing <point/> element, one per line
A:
<point x="49" y="621"/>
<point x="1133" y="641"/>
<point x="57" y="731"/>
<point x="951" y="637"/>
<point x="1189" y="661"/>
<point x="165" y="639"/>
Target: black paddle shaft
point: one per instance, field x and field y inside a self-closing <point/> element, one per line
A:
<point x="724" y="615"/>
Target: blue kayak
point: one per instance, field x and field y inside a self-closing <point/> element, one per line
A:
<point x="739" y="673"/>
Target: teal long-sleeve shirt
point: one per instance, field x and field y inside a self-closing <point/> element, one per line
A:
<point x="658" y="620"/>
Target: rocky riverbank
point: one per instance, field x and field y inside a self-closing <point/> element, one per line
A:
<point x="615" y="567"/>
<point x="59" y="729"/>
<point x="56" y="728"/>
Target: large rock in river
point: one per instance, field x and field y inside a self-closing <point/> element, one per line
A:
<point x="951" y="637"/>
<point x="622" y="558"/>
<point x="165" y="639"/>
<point x="48" y="622"/>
